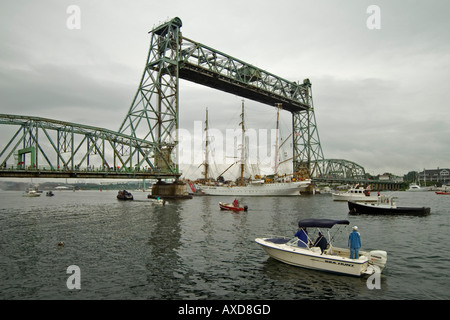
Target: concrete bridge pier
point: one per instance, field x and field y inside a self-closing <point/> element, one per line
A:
<point x="164" y="190"/>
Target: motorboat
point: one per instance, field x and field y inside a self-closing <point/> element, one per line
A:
<point x="414" y="187"/>
<point x="232" y="207"/>
<point x="124" y="195"/>
<point x="386" y="206"/>
<point x="49" y="193"/>
<point x="442" y="190"/>
<point x="355" y="194"/>
<point x="32" y="193"/>
<point x="332" y="259"/>
<point x="159" y="201"/>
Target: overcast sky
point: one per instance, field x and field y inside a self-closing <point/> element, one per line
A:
<point x="381" y="96"/>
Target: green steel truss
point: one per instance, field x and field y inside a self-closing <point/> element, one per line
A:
<point x="338" y="169"/>
<point x="154" y="112"/>
<point x="54" y="147"/>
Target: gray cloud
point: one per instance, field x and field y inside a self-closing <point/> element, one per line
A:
<point x="380" y="95"/>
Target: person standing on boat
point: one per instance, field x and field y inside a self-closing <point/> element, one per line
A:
<point x="354" y="241"/>
<point x="302" y="235"/>
<point x="321" y="242"/>
<point x="236" y="202"/>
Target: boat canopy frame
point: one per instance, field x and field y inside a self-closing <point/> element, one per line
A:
<point x="321" y="223"/>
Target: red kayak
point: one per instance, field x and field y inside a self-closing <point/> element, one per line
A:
<point x="442" y="192"/>
<point x="229" y="206"/>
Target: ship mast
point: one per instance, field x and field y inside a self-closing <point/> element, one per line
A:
<point x="243" y="146"/>
<point x="278" y="105"/>
<point x="206" y="163"/>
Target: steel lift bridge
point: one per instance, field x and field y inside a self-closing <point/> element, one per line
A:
<point x="145" y="145"/>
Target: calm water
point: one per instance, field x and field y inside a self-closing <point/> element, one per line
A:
<point x="190" y="249"/>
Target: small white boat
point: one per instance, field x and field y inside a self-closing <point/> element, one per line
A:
<point x="332" y="259"/>
<point x="160" y="201"/>
<point x="414" y="187"/>
<point x="32" y="193"/>
<point x="355" y="194"/>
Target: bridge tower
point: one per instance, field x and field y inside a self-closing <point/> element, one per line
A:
<point x="153" y="114"/>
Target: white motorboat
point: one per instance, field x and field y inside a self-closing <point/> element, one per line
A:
<point x="332" y="259"/>
<point x="32" y="193"/>
<point x="414" y="187"/>
<point x="355" y="194"/>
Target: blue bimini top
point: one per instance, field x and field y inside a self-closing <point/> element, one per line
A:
<point x="320" y="223"/>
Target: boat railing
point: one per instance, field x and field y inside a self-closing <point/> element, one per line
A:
<point x="387" y="200"/>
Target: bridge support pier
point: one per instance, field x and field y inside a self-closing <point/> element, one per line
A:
<point x="175" y="190"/>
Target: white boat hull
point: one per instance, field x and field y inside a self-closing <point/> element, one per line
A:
<point x="266" y="189"/>
<point x="353" y="197"/>
<point x="312" y="258"/>
<point x="32" y="194"/>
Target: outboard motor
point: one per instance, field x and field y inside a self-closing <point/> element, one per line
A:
<point x="378" y="258"/>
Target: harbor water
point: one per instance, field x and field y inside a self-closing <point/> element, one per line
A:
<point x="191" y="250"/>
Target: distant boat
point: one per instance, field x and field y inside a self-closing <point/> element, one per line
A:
<point x="62" y="188"/>
<point x="355" y="194"/>
<point x="124" y="195"/>
<point x="442" y="192"/>
<point x="231" y="207"/>
<point x="414" y="187"/>
<point x="31" y="193"/>
<point x="386" y="207"/>
<point x="49" y="194"/>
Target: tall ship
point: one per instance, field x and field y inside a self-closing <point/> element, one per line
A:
<point x="272" y="185"/>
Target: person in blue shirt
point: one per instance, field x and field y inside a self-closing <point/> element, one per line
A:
<point x="302" y="234"/>
<point x="354" y="241"/>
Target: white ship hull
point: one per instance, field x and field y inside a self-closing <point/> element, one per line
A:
<point x="264" y="189"/>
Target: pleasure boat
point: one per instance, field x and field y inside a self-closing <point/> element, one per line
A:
<point x="386" y="206"/>
<point x="32" y="193"/>
<point x="355" y="194"/>
<point x="232" y="207"/>
<point x="415" y="188"/>
<point x="332" y="259"/>
<point x="124" y="195"/>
